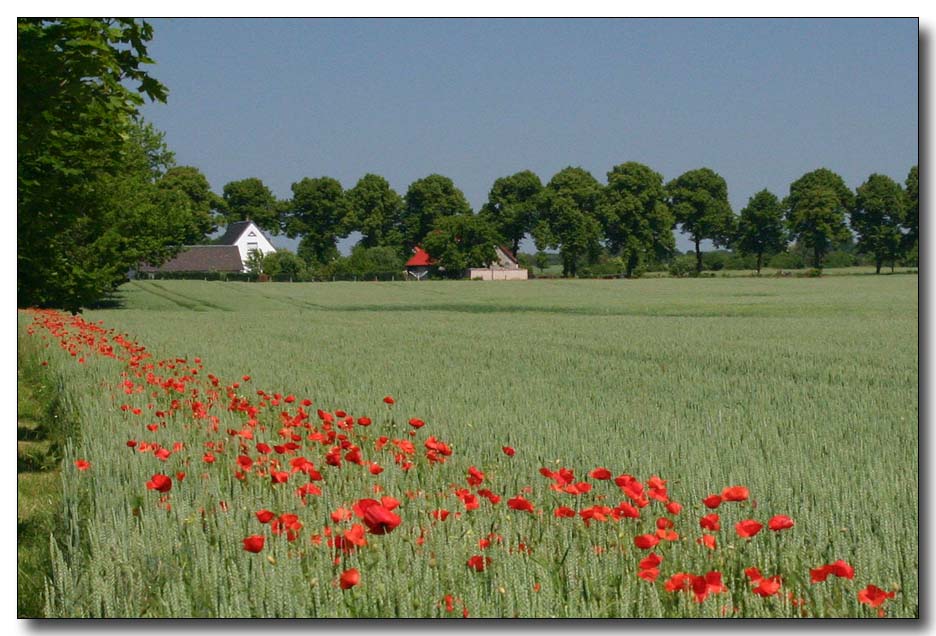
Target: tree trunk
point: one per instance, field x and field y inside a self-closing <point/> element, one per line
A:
<point x="877" y="265"/>
<point x="698" y="256"/>
<point x="817" y="258"/>
<point x="760" y="258"/>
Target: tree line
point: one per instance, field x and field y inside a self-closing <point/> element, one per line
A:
<point x="98" y="192"/>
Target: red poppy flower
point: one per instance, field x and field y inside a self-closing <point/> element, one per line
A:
<point x="244" y="462"/>
<point x="375" y="469"/>
<point x="710" y="522"/>
<point x="478" y="563"/>
<point x="646" y="541"/>
<point x="707" y="540"/>
<point x="748" y="528"/>
<point x="349" y="578"/>
<point x="364" y="421"/>
<point x="519" y="503"/>
<point x="625" y="510"/>
<point x="674" y="508"/>
<point x="441" y="514"/>
<point x="652" y="560"/>
<point x="378" y="519"/>
<point x="389" y="400"/>
<point x="735" y="493"/>
<point x="355" y="536"/>
<point x="754" y="574"/>
<point x="600" y="473"/>
<point x="768" y="587"/>
<point x="874" y="596"/>
<point x="82" y="464"/>
<point x="649" y="574"/>
<point x="416" y="422"/>
<point x="564" y="512"/>
<point x="508" y="451"/>
<point x="264" y="516"/>
<point x="208" y="458"/>
<point x="389" y="502"/>
<point x="159" y="482"/>
<point x="842" y="569"/>
<point x="279" y="477"/>
<point x="254" y="543"/>
<point x="780" y="522"/>
<point x="475" y="476"/>
<point x="246" y="378"/>
<point x="712" y="501"/>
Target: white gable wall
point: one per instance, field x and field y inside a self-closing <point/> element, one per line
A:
<point x="252" y="239"/>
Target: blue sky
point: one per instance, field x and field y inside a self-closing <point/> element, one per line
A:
<point x="759" y="101"/>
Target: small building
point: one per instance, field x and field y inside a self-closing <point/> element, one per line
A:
<point x="247" y="237"/>
<point x="200" y="258"/>
<point x="229" y="254"/>
<point x="506" y="267"/>
<point x="417" y="267"/>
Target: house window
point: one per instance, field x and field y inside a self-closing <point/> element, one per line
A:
<point x="252" y="246"/>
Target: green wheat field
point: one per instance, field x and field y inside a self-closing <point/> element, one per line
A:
<point x="803" y="391"/>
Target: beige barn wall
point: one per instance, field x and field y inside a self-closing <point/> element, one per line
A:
<point x="498" y="274"/>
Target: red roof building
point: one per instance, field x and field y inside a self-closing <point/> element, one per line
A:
<point x="420" y="258"/>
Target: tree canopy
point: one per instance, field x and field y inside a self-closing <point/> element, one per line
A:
<point x="637" y="222"/>
<point x="880" y="209"/>
<point x="79" y="157"/>
<point x="912" y="218"/>
<point x="318" y="214"/>
<point x="761" y="229"/>
<point x="250" y="200"/>
<point x="699" y="200"/>
<point x="427" y="200"/>
<point x="376" y="211"/>
<point x="816" y="209"/>
<point x="568" y="220"/>
<point x="458" y="242"/>
<point x="511" y="208"/>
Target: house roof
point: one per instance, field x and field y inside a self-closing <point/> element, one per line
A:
<point x="234" y="230"/>
<point x="508" y="253"/>
<point x="420" y="258"/>
<point x="201" y="258"/>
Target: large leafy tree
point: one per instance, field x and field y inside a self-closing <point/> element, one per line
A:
<point x="427" y="200"/>
<point x="190" y="181"/>
<point x="376" y="211"/>
<point x="250" y="200"/>
<point x="79" y="85"/>
<point x="458" y="242"/>
<point x="880" y="209"/>
<point x="512" y="206"/>
<point x="637" y="222"/>
<point x="318" y="213"/>
<point x="911" y="223"/>
<point x="761" y="229"/>
<point x="699" y="200"/>
<point x="568" y="218"/>
<point x="815" y="211"/>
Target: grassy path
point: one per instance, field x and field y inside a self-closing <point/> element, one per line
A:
<point x="38" y="490"/>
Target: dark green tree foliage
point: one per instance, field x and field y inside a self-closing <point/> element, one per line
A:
<point x="761" y="229"/>
<point x="250" y="200"/>
<point x="427" y="200"/>
<point x="192" y="183"/>
<point x="318" y="213"/>
<point x="512" y="206"/>
<point x="699" y="200"/>
<point x="369" y="261"/>
<point x="79" y="85"/>
<point x="376" y="212"/>
<point x="637" y="222"/>
<point x="911" y="239"/>
<point x="568" y="218"/>
<point x="458" y="242"/>
<point x="283" y="263"/>
<point x="880" y="209"/>
<point x="816" y="209"/>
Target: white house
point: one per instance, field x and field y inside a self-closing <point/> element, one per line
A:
<point x="247" y="237"/>
<point x="229" y="254"/>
